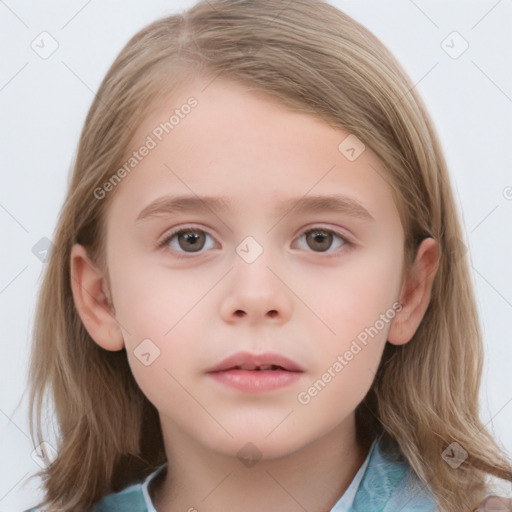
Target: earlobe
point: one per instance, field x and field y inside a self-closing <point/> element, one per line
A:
<point x="416" y="293"/>
<point x="91" y="297"/>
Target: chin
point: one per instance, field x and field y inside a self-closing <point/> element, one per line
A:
<point x="254" y="443"/>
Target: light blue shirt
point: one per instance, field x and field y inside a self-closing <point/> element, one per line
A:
<point x="380" y="485"/>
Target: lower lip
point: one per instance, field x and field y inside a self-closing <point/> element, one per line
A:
<point x="256" y="381"/>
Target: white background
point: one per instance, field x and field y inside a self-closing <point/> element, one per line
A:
<point x="43" y="106"/>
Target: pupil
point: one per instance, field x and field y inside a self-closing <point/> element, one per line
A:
<point x="322" y="239"/>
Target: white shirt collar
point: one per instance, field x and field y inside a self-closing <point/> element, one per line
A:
<point x="145" y="485"/>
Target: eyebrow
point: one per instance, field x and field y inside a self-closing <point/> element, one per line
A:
<point x="168" y="205"/>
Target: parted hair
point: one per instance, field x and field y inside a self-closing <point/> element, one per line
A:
<point x="313" y="58"/>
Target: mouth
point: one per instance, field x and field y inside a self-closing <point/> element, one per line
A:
<point x="249" y="373"/>
<point x="257" y="363"/>
<point x="261" y="368"/>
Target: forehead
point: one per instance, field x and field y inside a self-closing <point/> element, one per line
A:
<point x="246" y="145"/>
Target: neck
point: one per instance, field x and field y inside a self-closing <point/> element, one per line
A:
<point x="313" y="478"/>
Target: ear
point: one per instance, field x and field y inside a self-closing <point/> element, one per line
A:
<point x="415" y="293"/>
<point x="91" y="296"/>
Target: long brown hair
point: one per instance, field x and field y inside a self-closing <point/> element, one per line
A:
<point x="315" y="59"/>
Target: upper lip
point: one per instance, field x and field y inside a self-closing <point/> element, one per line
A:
<point x="248" y="361"/>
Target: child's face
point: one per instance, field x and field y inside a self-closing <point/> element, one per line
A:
<point x="202" y="299"/>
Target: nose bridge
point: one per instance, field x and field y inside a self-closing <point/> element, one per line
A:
<point x="255" y="289"/>
<point x="250" y="249"/>
<point x="252" y="262"/>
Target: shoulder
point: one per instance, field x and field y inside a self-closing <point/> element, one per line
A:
<point x="412" y="495"/>
<point x="130" y="499"/>
<point x="389" y="485"/>
<point x="133" y="498"/>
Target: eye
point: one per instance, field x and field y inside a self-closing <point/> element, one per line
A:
<point x="320" y="240"/>
<point x="193" y="240"/>
<point x="187" y="240"/>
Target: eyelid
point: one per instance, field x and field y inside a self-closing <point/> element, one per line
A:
<point x="323" y="227"/>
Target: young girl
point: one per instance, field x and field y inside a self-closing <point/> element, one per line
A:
<point x="317" y="346"/>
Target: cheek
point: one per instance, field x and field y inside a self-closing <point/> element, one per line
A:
<point x="352" y="297"/>
<point x="358" y="309"/>
<point x="150" y="298"/>
<point x="162" y="384"/>
<point x="165" y="306"/>
<point x="164" y="341"/>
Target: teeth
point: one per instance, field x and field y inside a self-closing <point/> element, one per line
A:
<point x="262" y="367"/>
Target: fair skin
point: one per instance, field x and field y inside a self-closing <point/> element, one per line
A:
<point x="295" y="299"/>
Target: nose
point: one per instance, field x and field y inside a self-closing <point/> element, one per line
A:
<point x="257" y="292"/>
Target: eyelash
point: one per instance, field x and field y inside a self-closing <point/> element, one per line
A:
<point x="180" y="254"/>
